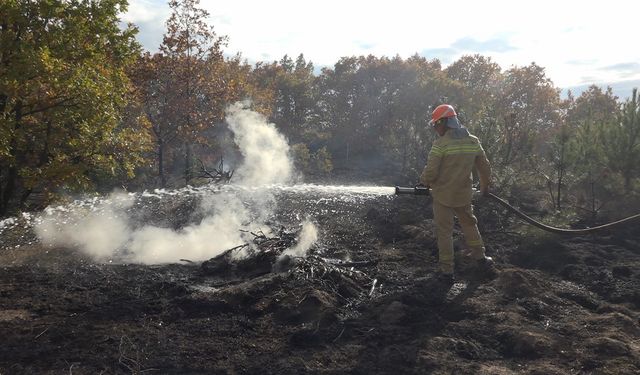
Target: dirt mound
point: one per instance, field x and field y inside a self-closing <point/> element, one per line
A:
<point x="365" y="301"/>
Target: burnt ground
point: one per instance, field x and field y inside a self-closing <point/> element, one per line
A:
<point x="365" y="302"/>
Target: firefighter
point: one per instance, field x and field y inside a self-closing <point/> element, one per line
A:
<point x="449" y="175"/>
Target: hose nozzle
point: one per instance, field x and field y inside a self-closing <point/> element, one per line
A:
<point x="417" y="190"/>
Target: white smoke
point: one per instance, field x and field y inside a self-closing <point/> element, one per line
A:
<point x="104" y="232"/>
<point x="307" y="237"/>
<point x="265" y="151"/>
<point x="99" y="230"/>
<point x="218" y="231"/>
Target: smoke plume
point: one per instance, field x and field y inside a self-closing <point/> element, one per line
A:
<point x="265" y="151"/>
<point x="307" y="237"/>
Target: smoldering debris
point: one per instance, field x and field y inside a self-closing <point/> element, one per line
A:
<point x="264" y="254"/>
<point x="287" y="252"/>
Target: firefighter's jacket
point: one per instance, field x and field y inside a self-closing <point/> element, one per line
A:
<point x="449" y="169"/>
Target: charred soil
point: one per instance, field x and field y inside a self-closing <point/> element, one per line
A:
<point x="366" y="301"/>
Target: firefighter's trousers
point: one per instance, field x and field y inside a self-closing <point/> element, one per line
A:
<point x="443" y="217"/>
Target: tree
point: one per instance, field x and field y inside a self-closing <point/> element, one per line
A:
<point x="151" y="76"/>
<point x="194" y="54"/>
<point x="294" y="102"/>
<point x="561" y="160"/>
<point x="586" y="116"/>
<point x="528" y="106"/>
<point x="378" y="108"/>
<point x="186" y="87"/>
<point x="621" y="139"/>
<point x="593" y="105"/>
<point x="480" y="78"/>
<point x="63" y="88"/>
<point x="417" y="85"/>
<point x="291" y="88"/>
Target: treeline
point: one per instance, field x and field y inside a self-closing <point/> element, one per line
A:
<point x="85" y="109"/>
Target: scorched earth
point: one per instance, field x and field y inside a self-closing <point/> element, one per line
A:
<point x="353" y="293"/>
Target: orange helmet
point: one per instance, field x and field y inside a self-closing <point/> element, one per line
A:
<point x="442" y="111"/>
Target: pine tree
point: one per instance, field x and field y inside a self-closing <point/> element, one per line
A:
<point x="621" y="139"/>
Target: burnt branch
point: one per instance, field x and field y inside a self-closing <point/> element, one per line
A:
<point x="217" y="175"/>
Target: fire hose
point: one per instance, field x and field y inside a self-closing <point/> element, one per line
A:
<point x="423" y="190"/>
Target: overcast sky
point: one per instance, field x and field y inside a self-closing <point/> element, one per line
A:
<point x="577" y="42"/>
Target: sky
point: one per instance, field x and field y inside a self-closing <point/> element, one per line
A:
<point x="577" y="42"/>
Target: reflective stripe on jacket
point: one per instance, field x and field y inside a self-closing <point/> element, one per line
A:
<point x="449" y="166"/>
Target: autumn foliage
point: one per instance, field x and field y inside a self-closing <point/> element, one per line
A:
<point x="85" y="109"/>
<point x="63" y="95"/>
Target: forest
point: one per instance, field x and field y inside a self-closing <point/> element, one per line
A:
<point x="187" y="211"/>
<point x="85" y="109"/>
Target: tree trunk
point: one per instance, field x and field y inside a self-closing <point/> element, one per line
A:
<point x="187" y="163"/>
<point x="627" y="181"/>
<point x="24" y="196"/>
<point x="44" y="155"/>
<point x="1" y="191"/>
<point x="3" y="102"/>
<point x="594" y="211"/>
<point x="558" y="196"/>
<point x="561" y="168"/>
<point x="12" y="173"/>
<point x="163" y="181"/>
<point x="9" y="190"/>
